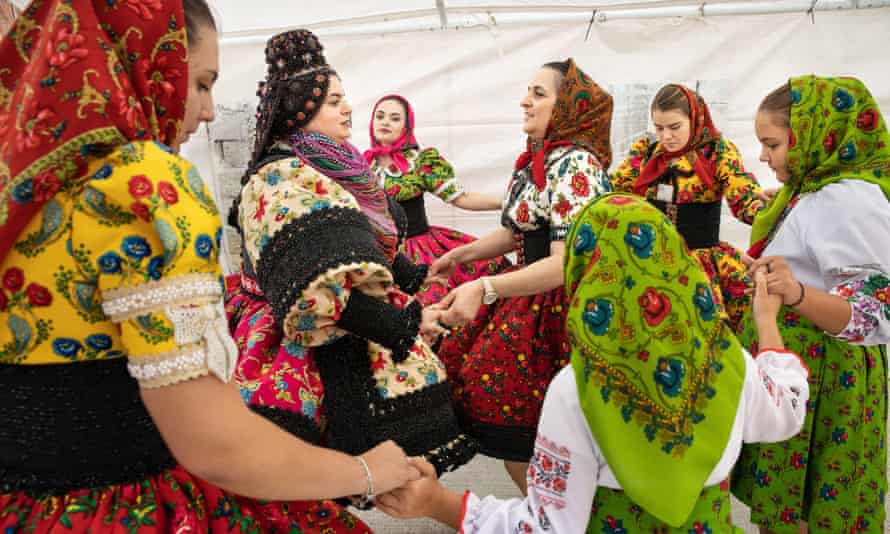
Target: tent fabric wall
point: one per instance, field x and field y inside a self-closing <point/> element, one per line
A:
<point x="466" y="84"/>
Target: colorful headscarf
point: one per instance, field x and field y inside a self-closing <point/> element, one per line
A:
<point x="659" y="371"/>
<point x="837" y="133"/>
<point x="78" y="77"/>
<point x="702" y="133"/>
<point x="406" y="140"/>
<point x="582" y="116"/>
<point x="344" y="164"/>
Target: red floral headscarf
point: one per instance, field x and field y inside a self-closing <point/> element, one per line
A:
<point x="78" y="77"/>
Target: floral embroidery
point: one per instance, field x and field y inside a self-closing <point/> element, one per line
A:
<point x="549" y="472"/>
<point x="869" y="297"/>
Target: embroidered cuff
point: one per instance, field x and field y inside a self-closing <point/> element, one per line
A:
<point x="408" y="275"/>
<point x="381" y="322"/>
<point x="869" y="296"/>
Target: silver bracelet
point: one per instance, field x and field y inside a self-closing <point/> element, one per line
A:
<point x="369" y="495"/>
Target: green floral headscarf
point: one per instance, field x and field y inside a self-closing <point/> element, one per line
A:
<point x="659" y="371"/>
<point x="837" y="133"/>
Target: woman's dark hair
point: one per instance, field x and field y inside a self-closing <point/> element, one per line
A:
<point x="561" y="68"/>
<point x="671" y="98"/>
<point x="197" y="15"/>
<point x="778" y="103"/>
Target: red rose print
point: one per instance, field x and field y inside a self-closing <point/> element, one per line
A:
<point x="830" y="142"/>
<point x="867" y="120"/>
<point x="426" y="169"/>
<point x="36" y="127"/>
<point x="140" y="186"/>
<point x="394" y="190"/>
<point x="579" y="185"/>
<point x="559" y="485"/>
<point x="655" y="306"/>
<point x="522" y="212"/>
<point x="563" y="207"/>
<point x="38" y="295"/>
<point x="129" y="107"/>
<point x="168" y="193"/>
<point x="141" y="211"/>
<point x="44" y="186"/>
<point x="13" y="279"/>
<point x="160" y="77"/>
<point x="883" y="294"/>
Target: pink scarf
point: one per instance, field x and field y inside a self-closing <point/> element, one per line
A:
<point x="406" y="141"/>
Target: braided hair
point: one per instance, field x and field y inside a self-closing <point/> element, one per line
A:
<point x="297" y="80"/>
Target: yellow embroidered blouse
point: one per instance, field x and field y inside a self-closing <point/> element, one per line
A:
<point x="123" y="263"/>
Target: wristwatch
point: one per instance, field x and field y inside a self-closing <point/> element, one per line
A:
<point x="490" y="294"/>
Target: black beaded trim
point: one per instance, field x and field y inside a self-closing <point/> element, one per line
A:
<point x="306" y="248"/>
<point x="72" y="426"/>
<point x="294" y="423"/>
<point x="381" y="322"/>
<point x="512" y="443"/>
<point x="408" y="275"/>
<point x="422" y="422"/>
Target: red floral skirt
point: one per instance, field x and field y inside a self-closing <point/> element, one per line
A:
<point x="501" y="364"/>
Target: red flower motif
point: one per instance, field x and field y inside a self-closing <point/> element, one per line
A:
<point x="612" y="224"/>
<point x="44" y="186"/>
<point x="830" y="142"/>
<point x="168" y="192"/>
<point x="619" y="201"/>
<point x="546" y="463"/>
<point x="66" y="50"/>
<point x="522" y="212"/>
<point x="655" y="306"/>
<point x="320" y="188"/>
<point x="13" y="279"/>
<point x="144" y="8"/>
<point x="737" y="288"/>
<point x="377" y="362"/>
<point x="261" y="209"/>
<point x="141" y="186"/>
<point x="579" y="185"/>
<point x="563" y="207"/>
<point x="426" y="169"/>
<point x="867" y="120"/>
<point x="160" y="77"/>
<point x="683" y="279"/>
<point x="643" y="356"/>
<point x="38" y="295"/>
<point x="559" y="485"/>
<point x="129" y="108"/>
<point x="4" y="300"/>
<point x="35" y="127"/>
<point x="394" y="190"/>
<point x="582" y="106"/>
<point x="883" y="294"/>
<point x="797" y="461"/>
<point x="141" y="211"/>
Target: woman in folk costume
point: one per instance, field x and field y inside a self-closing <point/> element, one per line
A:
<point x="823" y="241"/>
<point x="330" y="348"/>
<point x="641" y="432"/>
<point x="686" y="172"/>
<point x="407" y="172"/>
<point x="114" y="353"/>
<point x="504" y="359"/>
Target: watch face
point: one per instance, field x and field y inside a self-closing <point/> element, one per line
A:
<point x="489" y="298"/>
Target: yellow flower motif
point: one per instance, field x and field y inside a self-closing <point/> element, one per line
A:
<point x="486" y="378"/>
<point x="506" y="408"/>
<point x="521" y="357"/>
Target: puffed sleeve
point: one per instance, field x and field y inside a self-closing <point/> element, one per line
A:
<point x="624" y="176"/>
<point x="739" y="187"/>
<point x="311" y="248"/>
<point x="574" y="179"/>
<point x="147" y="227"/>
<point x="775" y="395"/>
<point x="438" y="175"/>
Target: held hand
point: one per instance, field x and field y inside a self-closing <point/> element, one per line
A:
<point x="430" y="328"/>
<point x="766" y="305"/>
<point x="780" y="279"/>
<point x="414" y="499"/>
<point x="462" y="303"/>
<point x="390" y="467"/>
<point x="442" y="269"/>
<point x="766" y="195"/>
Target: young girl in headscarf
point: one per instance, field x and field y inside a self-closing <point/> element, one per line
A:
<point x="823" y="244"/>
<point x="687" y="172"/>
<point x="407" y="172"/>
<point x="641" y="432"/>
